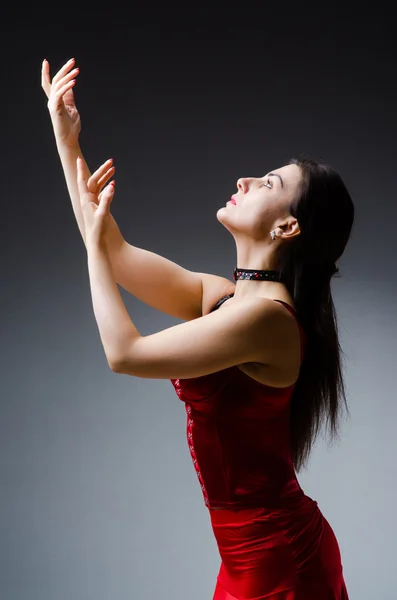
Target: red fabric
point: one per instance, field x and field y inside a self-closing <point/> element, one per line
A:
<point x="289" y="554"/>
<point x="273" y="540"/>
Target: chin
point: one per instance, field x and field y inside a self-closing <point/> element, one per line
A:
<point x="219" y="213"/>
<point x="221" y="216"/>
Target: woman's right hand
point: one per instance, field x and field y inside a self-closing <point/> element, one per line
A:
<point x="61" y="105"/>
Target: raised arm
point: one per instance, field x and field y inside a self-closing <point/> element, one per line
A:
<point x="67" y="125"/>
<point x="167" y="286"/>
<point x="153" y="279"/>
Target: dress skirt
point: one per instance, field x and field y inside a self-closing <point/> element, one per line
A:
<point x="283" y="554"/>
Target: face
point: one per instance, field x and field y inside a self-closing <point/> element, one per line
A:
<point x="261" y="203"/>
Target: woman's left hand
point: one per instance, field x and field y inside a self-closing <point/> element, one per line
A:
<point x="95" y="201"/>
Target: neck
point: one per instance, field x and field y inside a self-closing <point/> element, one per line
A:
<point x="258" y="257"/>
<point x="255" y="282"/>
<point x="266" y="289"/>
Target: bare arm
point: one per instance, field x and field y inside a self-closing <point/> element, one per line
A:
<point x="150" y="277"/>
<point x="153" y="279"/>
<point x="68" y="155"/>
<point x="66" y="123"/>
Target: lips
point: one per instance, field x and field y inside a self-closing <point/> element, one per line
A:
<point x="232" y="200"/>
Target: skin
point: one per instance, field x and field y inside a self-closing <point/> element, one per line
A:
<point x="254" y="333"/>
<point x="261" y="207"/>
<point x="249" y="331"/>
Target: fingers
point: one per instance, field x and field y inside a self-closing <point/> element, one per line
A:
<point x="57" y="93"/>
<point x="63" y="71"/>
<point x="101" y="176"/>
<point x="62" y="81"/>
<point x="107" y="194"/>
<point x="61" y="86"/>
<point x="45" y="77"/>
<point x="106" y="177"/>
<point x="93" y="184"/>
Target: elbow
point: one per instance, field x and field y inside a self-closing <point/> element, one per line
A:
<point x="127" y="368"/>
<point x="115" y="366"/>
<point x="121" y="367"/>
<point x="124" y="363"/>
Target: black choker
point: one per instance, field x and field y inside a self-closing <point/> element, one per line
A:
<point x="257" y="275"/>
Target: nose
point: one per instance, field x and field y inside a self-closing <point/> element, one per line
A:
<point x="243" y="184"/>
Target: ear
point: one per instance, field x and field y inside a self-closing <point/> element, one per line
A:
<point x="289" y="229"/>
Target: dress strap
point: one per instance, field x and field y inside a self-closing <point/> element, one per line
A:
<point x="287" y="306"/>
<point x="224" y="298"/>
<point x="221" y="301"/>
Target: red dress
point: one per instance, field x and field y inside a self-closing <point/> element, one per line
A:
<point x="273" y="540"/>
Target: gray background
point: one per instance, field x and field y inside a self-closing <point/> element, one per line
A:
<point x="98" y="495"/>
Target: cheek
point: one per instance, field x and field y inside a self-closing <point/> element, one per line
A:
<point x="254" y="209"/>
<point x="249" y="220"/>
<point x="260" y="219"/>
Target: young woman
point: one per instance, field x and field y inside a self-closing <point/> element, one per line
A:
<point x="257" y="361"/>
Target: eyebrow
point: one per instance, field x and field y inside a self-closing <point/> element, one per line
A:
<point x="279" y="176"/>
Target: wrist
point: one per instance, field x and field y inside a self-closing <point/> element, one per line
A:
<point x="96" y="245"/>
<point x="72" y="147"/>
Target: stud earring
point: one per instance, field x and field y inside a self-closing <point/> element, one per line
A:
<point x="273" y="234"/>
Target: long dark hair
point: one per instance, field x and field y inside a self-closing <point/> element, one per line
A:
<point x="325" y="213"/>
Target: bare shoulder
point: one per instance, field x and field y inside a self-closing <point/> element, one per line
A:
<point x="276" y="329"/>
<point x="245" y="331"/>
<point x="277" y="332"/>
<point x="214" y="287"/>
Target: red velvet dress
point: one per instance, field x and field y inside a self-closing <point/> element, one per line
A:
<point x="273" y="540"/>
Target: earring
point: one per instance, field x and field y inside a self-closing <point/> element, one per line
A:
<point x="273" y="234"/>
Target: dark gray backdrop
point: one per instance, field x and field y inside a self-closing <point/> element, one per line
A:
<point x="98" y="495"/>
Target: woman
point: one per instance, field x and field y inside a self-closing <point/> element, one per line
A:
<point x="257" y="362"/>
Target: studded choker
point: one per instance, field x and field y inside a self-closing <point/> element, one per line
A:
<point x="257" y="275"/>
